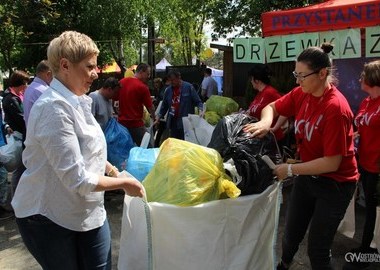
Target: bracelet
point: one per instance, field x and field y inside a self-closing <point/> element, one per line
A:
<point x="290" y="171"/>
<point x="113" y="172"/>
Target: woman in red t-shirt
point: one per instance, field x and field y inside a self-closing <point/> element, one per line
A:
<point x="260" y="80"/>
<point x="327" y="174"/>
<point x="367" y="121"/>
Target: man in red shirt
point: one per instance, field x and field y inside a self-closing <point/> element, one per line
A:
<point x="133" y="96"/>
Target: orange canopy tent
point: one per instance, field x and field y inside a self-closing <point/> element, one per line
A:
<point x="112" y="68"/>
<point x="329" y="15"/>
<point x="130" y="72"/>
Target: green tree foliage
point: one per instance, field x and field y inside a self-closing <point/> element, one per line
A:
<point x="28" y="26"/>
<point x="120" y="26"/>
<point x="37" y="19"/>
<point x="215" y="61"/>
<point x="244" y="16"/>
<point x="10" y="33"/>
<point x="182" y="23"/>
<point x="110" y="24"/>
<point x="115" y="25"/>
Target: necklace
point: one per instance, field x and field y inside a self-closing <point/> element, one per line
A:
<point x="315" y="106"/>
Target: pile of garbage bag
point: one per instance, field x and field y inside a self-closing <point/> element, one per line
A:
<point x="186" y="174"/>
<point x="233" y="143"/>
<point x="141" y="160"/>
<point x="119" y="143"/>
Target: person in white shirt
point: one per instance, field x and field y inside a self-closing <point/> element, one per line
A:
<point x="209" y="85"/>
<point x="59" y="202"/>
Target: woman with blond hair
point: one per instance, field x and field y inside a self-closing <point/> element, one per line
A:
<point x="59" y="202"/>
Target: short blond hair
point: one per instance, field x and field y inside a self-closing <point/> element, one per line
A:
<point x="71" y="45"/>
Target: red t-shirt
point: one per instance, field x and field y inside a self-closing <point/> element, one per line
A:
<point x="368" y="122"/>
<point x="262" y="99"/>
<point x="133" y="95"/>
<point x="323" y="127"/>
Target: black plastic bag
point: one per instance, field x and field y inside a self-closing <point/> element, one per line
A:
<point x="231" y="141"/>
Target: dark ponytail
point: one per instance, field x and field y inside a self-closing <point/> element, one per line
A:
<point x="261" y="72"/>
<point x="317" y="57"/>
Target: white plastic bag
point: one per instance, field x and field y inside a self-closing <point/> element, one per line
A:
<point x="11" y="153"/>
<point x="197" y="130"/>
<point x="347" y="225"/>
<point x="228" y="234"/>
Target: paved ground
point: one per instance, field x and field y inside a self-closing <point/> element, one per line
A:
<point x="14" y="256"/>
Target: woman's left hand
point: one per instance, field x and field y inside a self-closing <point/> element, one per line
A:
<point x="281" y="171"/>
<point x="133" y="188"/>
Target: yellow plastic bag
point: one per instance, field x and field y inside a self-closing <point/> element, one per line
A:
<point x="187" y="174"/>
<point x="146" y="117"/>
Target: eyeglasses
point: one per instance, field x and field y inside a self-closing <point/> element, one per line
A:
<point x="303" y="77"/>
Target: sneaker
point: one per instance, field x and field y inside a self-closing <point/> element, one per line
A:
<point x="6" y="214"/>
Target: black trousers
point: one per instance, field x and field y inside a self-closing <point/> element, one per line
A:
<point x="369" y="182"/>
<point x="318" y="202"/>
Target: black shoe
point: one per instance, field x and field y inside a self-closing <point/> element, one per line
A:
<point x="6" y="214"/>
<point x="281" y="266"/>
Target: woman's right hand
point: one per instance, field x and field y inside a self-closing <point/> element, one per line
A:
<point x="258" y="129"/>
<point x="133" y="188"/>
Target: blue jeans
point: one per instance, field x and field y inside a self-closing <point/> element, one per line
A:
<point x="55" y="247"/>
<point x="322" y="203"/>
<point x="4" y="190"/>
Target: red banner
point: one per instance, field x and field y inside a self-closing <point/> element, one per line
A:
<point x="330" y="15"/>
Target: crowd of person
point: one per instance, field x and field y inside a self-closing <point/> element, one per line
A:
<point x="58" y="189"/>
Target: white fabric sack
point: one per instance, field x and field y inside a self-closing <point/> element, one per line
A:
<point x="158" y="109"/>
<point x="11" y="153"/>
<point x="376" y="235"/>
<point x="234" y="234"/>
<point x="197" y="130"/>
<point x="347" y="225"/>
<point x="148" y="138"/>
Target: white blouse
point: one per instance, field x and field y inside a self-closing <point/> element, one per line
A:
<point x="65" y="152"/>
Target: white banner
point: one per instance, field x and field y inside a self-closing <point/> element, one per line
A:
<point x="347" y="44"/>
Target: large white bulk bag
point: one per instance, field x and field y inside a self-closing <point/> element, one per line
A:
<point x="234" y="234"/>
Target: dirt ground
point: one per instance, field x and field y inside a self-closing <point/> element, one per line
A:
<point x="14" y="255"/>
